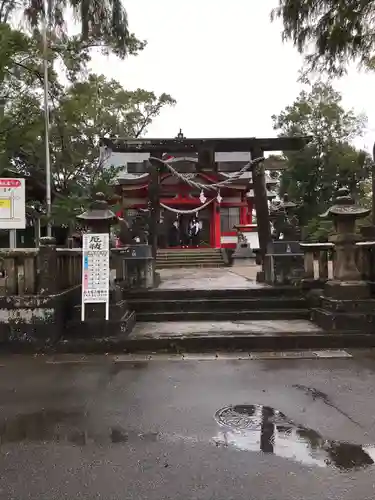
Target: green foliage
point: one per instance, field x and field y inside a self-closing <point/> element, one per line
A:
<point x="314" y="174"/>
<point x="103" y="23"/>
<point x="331" y="32"/>
<point x="81" y="111"/>
<point x="80" y="115"/>
<point x="317" y="229"/>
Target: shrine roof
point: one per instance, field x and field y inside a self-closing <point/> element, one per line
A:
<point x="184" y="145"/>
<point x="134" y="167"/>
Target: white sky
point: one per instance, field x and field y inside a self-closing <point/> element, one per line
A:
<point x="224" y="63"/>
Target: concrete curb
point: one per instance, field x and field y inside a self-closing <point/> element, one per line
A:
<point x="229" y="343"/>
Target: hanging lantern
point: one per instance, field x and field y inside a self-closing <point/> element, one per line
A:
<point x="219" y="199"/>
<point x="202" y="197"/>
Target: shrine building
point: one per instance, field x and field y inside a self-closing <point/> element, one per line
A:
<point x="218" y="211"/>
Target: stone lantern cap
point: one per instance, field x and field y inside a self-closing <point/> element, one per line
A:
<point x="345" y="206"/>
<point x="286" y="203"/>
<point x="98" y="210"/>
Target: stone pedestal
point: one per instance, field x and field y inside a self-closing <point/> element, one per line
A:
<point x="243" y="255"/>
<point x="346" y="290"/>
<point x="346" y="302"/>
<point x="121" y="317"/>
<point x="135" y="266"/>
<point x="284" y="263"/>
<point x="345" y="315"/>
<point x="346" y="305"/>
<point x="98" y="219"/>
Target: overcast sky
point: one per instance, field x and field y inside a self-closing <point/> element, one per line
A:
<point x="224" y="63"/>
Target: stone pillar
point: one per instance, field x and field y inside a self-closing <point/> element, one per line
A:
<point x="149" y="274"/>
<point x="47" y="267"/>
<point x="261" y="204"/>
<point x="154" y="206"/>
<point x="373" y="184"/>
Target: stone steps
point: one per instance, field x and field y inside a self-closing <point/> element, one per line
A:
<point x="187" y="264"/>
<point x="262" y="303"/>
<point x="231" y="315"/>
<point x="189" y="258"/>
<point x="216" y="304"/>
<point x="197" y="257"/>
<point x="227" y="342"/>
<point x="255" y="292"/>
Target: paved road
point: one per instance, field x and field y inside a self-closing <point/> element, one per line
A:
<point x="222" y="278"/>
<point x="162" y="429"/>
<point x="216" y="278"/>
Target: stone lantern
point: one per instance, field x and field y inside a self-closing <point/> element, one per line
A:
<point x="98" y="218"/>
<point x="289" y="206"/>
<point x="346" y="283"/>
<point x="291" y="229"/>
<point x="284" y="255"/>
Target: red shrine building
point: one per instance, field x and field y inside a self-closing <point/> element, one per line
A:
<point x="218" y="213"/>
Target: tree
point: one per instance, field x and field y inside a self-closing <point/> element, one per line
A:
<point x="82" y="108"/>
<point x="80" y="115"/>
<point x="330" y="161"/>
<point x="20" y="76"/>
<point x="104" y="23"/>
<point x="337" y="32"/>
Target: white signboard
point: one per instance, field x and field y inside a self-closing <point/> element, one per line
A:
<point x="95" y="271"/>
<point x="233" y="156"/>
<point x="12" y="204"/>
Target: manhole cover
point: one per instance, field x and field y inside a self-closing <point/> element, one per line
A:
<point x="240" y="417"/>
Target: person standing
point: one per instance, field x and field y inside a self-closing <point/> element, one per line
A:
<point x="174" y="234"/>
<point x="194" y="231"/>
<point x="184" y="232"/>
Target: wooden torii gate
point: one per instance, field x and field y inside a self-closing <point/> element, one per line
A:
<point x="206" y="149"/>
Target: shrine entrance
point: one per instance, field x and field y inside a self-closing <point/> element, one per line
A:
<point x="188" y="161"/>
<point x="175" y="226"/>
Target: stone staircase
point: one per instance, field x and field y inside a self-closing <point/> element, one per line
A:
<point x="282" y="303"/>
<point x="203" y="320"/>
<point x="189" y="257"/>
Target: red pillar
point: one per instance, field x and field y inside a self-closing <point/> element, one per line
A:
<point x="216" y="243"/>
<point x="250" y="206"/>
<point x="243" y="215"/>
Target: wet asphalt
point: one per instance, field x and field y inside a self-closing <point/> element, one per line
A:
<point x="190" y="429"/>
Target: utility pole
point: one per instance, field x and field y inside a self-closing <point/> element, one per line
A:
<point x="46" y="117"/>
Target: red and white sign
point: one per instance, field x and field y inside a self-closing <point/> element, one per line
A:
<point x="12" y="204"/>
<point x="12" y="183"/>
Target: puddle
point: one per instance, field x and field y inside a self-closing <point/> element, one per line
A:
<point x="60" y="426"/>
<point x="264" y="429"/>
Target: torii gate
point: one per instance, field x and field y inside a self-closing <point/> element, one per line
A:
<point x="206" y="149"/>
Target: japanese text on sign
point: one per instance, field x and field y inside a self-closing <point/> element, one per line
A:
<point x="12" y="204"/>
<point x="95" y="268"/>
